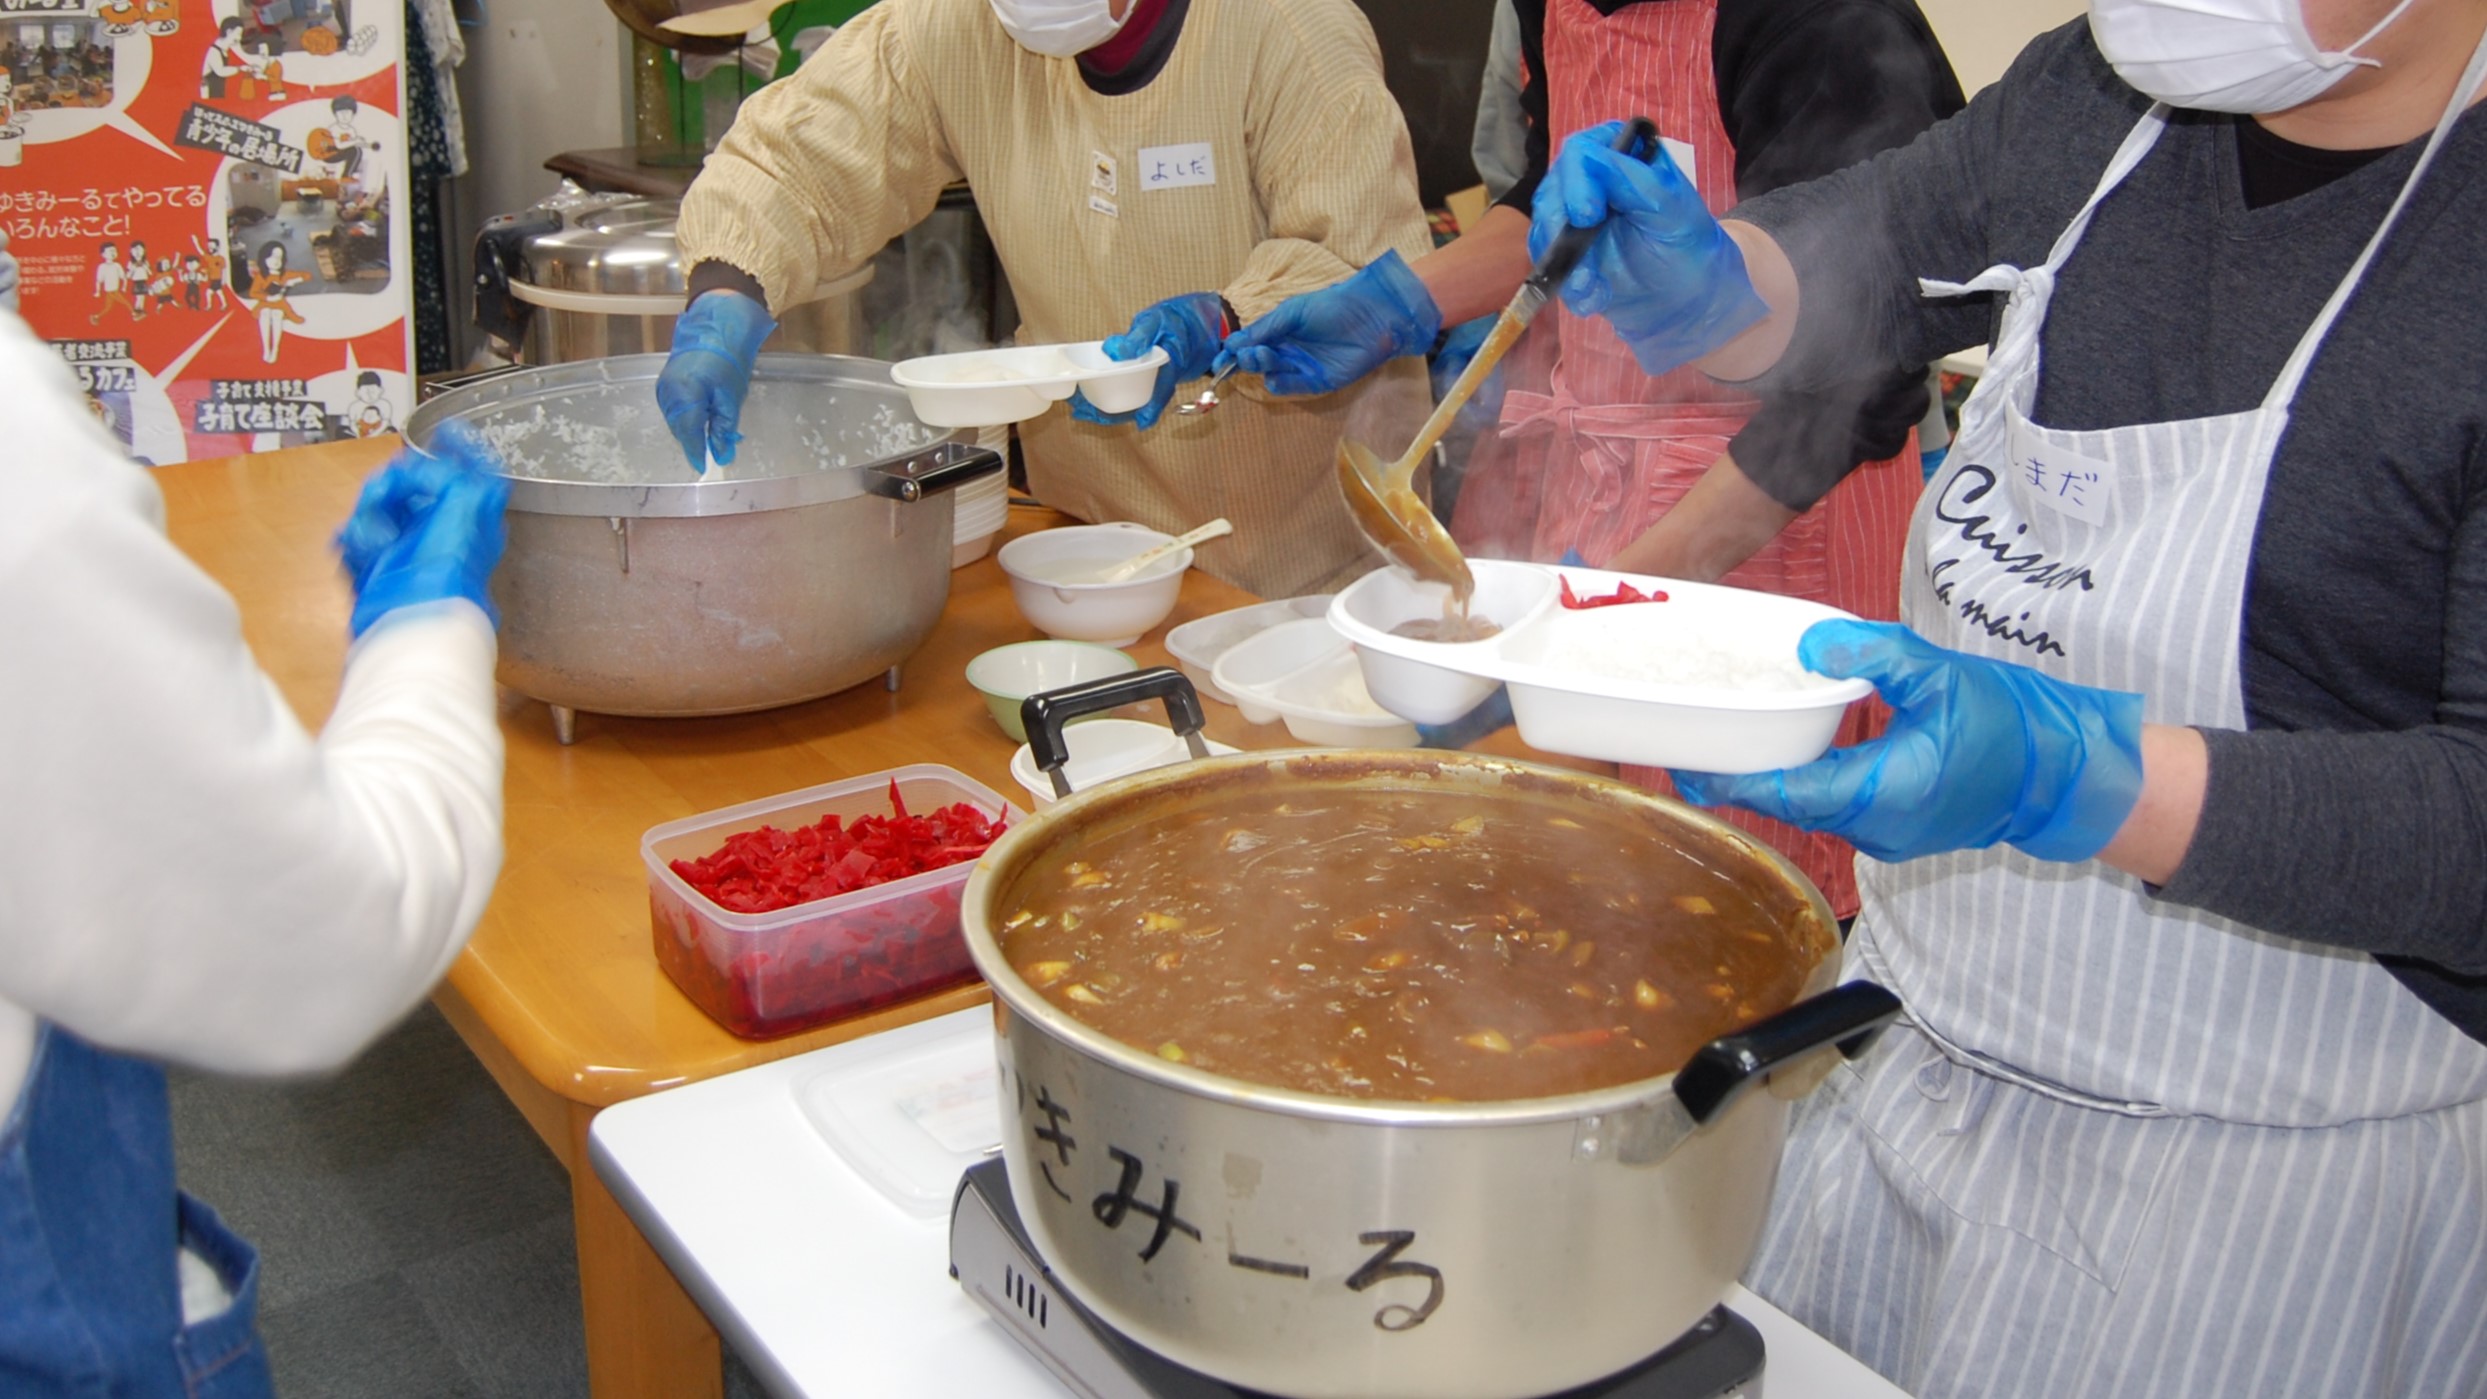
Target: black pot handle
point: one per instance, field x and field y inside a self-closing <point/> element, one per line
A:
<point x="1044" y="713"/>
<point x="1849" y="1016"/>
<point x="1639" y="140"/>
<point x="949" y="464"/>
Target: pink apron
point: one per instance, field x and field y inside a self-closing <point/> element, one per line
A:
<point x="1604" y="449"/>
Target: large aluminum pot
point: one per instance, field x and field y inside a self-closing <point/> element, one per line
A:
<point x="1304" y="1245"/>
<point x="820" y="558"/>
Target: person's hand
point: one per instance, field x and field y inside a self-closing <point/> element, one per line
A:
<point x="427" y="528"/>
<point x="1662" y="271"/>
<point x="1188" y="327"/>
<point x="1324" y="340"/>
<point x="1451" y="361"/>
<point x="716" y="342"/>
<point x="8" y="275"/>
<point x="1492" y="713"/>
<point x="1978" y="751"/>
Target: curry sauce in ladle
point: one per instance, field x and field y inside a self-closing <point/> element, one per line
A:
<point x="1383" y="498"/>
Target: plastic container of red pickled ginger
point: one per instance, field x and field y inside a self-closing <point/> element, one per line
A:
<point x="775" y="972"/>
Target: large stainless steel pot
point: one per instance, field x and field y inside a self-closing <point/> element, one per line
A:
<point x="1313" y="1246"/>
<point x="818" y="559"/>
<point x="609" y="281"/>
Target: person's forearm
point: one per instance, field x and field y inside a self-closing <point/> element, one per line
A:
<point x="1718" y="524"/>
<point x="1475" y="274"/>
<point x="2176" y="767"/>
<point x="1766" y="265"/>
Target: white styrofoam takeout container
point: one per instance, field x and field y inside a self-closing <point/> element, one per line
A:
<point x="1562" y="708"/>
<point x="1197" y="644"/>
<point x="1292" y="672"/>
<point x="985" y="388"/>
<point x="1510" y="595"/>
<point x="1115" y="614"/>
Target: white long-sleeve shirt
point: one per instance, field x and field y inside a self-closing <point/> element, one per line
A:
<point x="185" y="872"/>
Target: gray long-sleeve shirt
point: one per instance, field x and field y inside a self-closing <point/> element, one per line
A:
<point x="2353" y="809"/>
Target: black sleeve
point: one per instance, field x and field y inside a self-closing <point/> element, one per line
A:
<point x="2376" y="841"/>
<point x="1805" y="90"/>
<point x="1532" y="17"/>
<point x="722" y="276"/>
<point x="1808" y="88"/>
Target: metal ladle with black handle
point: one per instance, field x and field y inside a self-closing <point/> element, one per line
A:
<point x="1383" y="498"/>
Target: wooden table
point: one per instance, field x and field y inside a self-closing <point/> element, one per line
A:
<point x="559" y="994"/>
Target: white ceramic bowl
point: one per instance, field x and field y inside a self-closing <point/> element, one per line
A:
<point x="1116" y="614"/>
<point x="1102" y="750"/>
<point x="1006" y="675"/>
<point x="1306" y="674"/>
<point x="1197" y="644"/>
<point x="1429" y="681"/>
<point x="982" y="388"/>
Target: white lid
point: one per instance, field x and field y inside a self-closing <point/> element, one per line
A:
<point x="910" y="1112"/>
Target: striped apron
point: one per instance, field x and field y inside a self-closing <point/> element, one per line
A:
<point x="2127" y="1148"/>
<point x="1607" y="449"/>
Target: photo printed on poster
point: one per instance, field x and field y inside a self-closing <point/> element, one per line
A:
<point x="199" y="196"/>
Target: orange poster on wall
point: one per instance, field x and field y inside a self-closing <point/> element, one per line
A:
<point x="201" y="198"/>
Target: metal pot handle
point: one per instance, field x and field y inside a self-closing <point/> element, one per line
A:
<point x="945" y="465"/>
<point x="1849" y="1016"/>
<point x="1044" y="713"/>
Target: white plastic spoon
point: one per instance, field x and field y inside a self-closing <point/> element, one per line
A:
<point x="1139" y="561"/>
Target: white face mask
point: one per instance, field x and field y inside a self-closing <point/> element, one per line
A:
<point x="1058" y="28"/>
<point x="2243" y="56"/>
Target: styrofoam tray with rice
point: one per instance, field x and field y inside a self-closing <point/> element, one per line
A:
<point x="1707" y="680"/>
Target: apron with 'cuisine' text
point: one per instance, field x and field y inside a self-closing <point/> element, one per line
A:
<point x="2128" y="1148"/>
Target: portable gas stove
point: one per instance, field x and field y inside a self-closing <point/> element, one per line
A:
<point x="991" y="1257"/>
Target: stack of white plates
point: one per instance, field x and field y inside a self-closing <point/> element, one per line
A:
<point x="982" y="505"/>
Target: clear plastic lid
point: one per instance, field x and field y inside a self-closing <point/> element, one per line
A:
<point x="910" y="1109"/>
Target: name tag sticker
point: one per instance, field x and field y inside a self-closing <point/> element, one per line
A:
<point x="2060" y="479"/>
<point x="1172" y="167"/>
<point x="1681" y="153"/>
<point x="1100" y="204"/>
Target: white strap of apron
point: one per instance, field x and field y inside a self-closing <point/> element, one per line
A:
<point x="2284" y="389"/>
<point x="2003" y="276"/>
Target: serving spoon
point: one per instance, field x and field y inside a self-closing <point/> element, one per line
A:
<point x="1382" y="498"/>
<point x="1208" y="396"/>
<point x="1131" y="566"/>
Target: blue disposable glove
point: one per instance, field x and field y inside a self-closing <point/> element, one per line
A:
<point x="1325" y="340"/>
<point x="1662" y="271"/>
<point x="1189" y="327"/>
<point x="427" y="528"/>
<point x="1451" y="361"/>
<point x="1492" y="713"/>
<point x="1978" y="751"/>
<point x="716" y="342"/>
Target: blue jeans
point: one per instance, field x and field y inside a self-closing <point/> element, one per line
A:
<point x="90" y="1226"/>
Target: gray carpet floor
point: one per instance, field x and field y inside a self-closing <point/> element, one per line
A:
<point x="414" y="1234"/>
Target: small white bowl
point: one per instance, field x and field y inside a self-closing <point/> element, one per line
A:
<point x="1306" y="673"/>
<point x="1197" y="644"/>
<point x="986" y="388"/>
<point x="1102" y="750"/>
<point x="1428" y="681"/>
<point x="1006" y="675"/>
<point x="1114" y="614"/>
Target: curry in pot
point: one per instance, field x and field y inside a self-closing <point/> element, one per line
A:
<point x="1409" y="944"/>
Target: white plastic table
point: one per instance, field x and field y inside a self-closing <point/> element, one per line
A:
<point x="827" y="1287"/>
